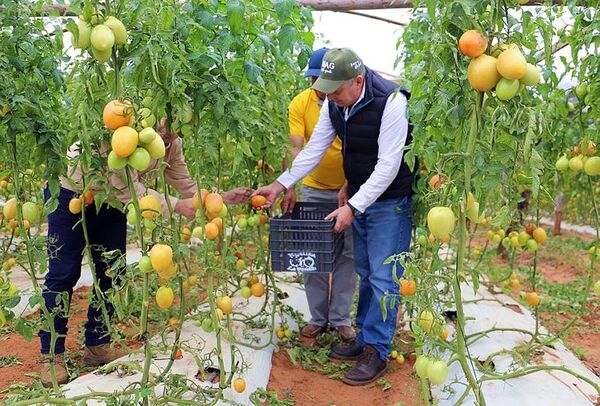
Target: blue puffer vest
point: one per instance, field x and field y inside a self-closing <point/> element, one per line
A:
<point x="360" y="133"/>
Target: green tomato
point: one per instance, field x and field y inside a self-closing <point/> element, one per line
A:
<point x="506" y="89"/>
<point x="581" y="91"/>
<point x="132" y="216"/>
<point x="207" y="325"/>
<point x="139" y="159"/>
<point x="115" y="162"/>
<point x="149" y="224"/>
<point x="31" y="212"/>
<point x="147" y="135"/>
<point x="562" y="164"/>
<point x="422" y="240"/>
<point x="246" y="292"/>
<point x="422" y="365"/>
<point x="145" y="264"/>
<point x="118" y="30"/>
<point x="437" y="372"/>
<point x="597" y="287"/>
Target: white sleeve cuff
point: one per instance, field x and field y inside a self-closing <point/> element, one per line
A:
<point x="286" y="179"/>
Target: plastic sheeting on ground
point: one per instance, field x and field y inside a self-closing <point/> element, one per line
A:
<point x="484" y="311"/>
<point x="259" y="361"/>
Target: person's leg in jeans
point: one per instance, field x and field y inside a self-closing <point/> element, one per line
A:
<point x="110" y="234"/>
<point x="65" y="252"/>
<point x="363" y="269"/>
<point x="388" y="232"/>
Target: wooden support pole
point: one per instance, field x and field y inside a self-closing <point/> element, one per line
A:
<point x="345" y="5"/>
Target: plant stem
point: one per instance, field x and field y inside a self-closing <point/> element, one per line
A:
<point x="461" y="348"/>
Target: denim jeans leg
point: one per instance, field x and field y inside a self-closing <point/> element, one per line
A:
<point x="110" y="230"/>
<point x="388" y="232"/>
<point x="65" y="252"/>
<point x="362" y="268"/>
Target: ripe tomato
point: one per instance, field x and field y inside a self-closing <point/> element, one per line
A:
<point x="482" y="73"/>
<point x="225" y="304"/>
<point x="10" y="209"/>
<point x="239" y="385"/>
<point x="164" y="297"/>
<point x="258" y="289"/>
<point x="512" y="64"/>
<point x="426" y="320"/>
<point x="532" y="298"/>
<point x="211" y="230"/>
<point x="408" y="287"/>
<point x="258" y="201"/>
<point x="124" y="141"/>
<point x="161" y="257"/>
<point x="213" y="203"/>
<point x="472" y="43"/>
<point x="117" y="114"/>
<point x="149" y="207"/>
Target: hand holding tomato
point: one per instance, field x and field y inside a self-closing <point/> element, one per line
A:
<point x="270" y="192"/>
<point x="343" y="218"/>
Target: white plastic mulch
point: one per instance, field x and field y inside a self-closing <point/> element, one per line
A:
<point x="495" y="310"/>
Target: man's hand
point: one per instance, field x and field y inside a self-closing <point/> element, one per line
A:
<point x="237" y="195"/>
<point x="185" y="208"/>
<point x="289" y="201"/>
<point x="270" y="192"/>
<point x="343" y="218"/>
<point x="342" y="197"/>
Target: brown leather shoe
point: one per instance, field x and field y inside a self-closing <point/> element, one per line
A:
<point x="60" y="371"/>
<point x="97" y="355"/>
<point x="348" y="351"/>
<point x="346" y="333"/>
<point x="367" y="369"/>
<point x="311" y="330"/>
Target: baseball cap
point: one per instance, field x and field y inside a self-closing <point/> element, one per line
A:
<point x="315" y="61"/>
<point x="339" y="65"/>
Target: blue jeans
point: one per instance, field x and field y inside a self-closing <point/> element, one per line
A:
<point x="107" y="231"/>
<point x="384" y="229"/>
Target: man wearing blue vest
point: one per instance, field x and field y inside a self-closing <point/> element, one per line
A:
<point x="368" y="113"/>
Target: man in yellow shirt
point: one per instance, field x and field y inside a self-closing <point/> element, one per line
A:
<point x="329" y="303"/>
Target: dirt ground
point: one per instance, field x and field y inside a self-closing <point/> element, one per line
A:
<point x="28" y="352"/>
<point x="312" y="388"/>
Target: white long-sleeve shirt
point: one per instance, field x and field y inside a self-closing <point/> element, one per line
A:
<point x="391" y="141"/>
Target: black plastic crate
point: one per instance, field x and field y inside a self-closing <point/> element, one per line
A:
<point x="303" y="241"/>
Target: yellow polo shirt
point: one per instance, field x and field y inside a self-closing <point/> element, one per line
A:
<point x="303" y="115"/>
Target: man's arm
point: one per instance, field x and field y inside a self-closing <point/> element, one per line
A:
<point x="391" y="141"/>
<point x="307" y="160"/>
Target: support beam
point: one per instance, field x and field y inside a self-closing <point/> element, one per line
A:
<point x="385" y="20"/>
<point x="345" y="5"/>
